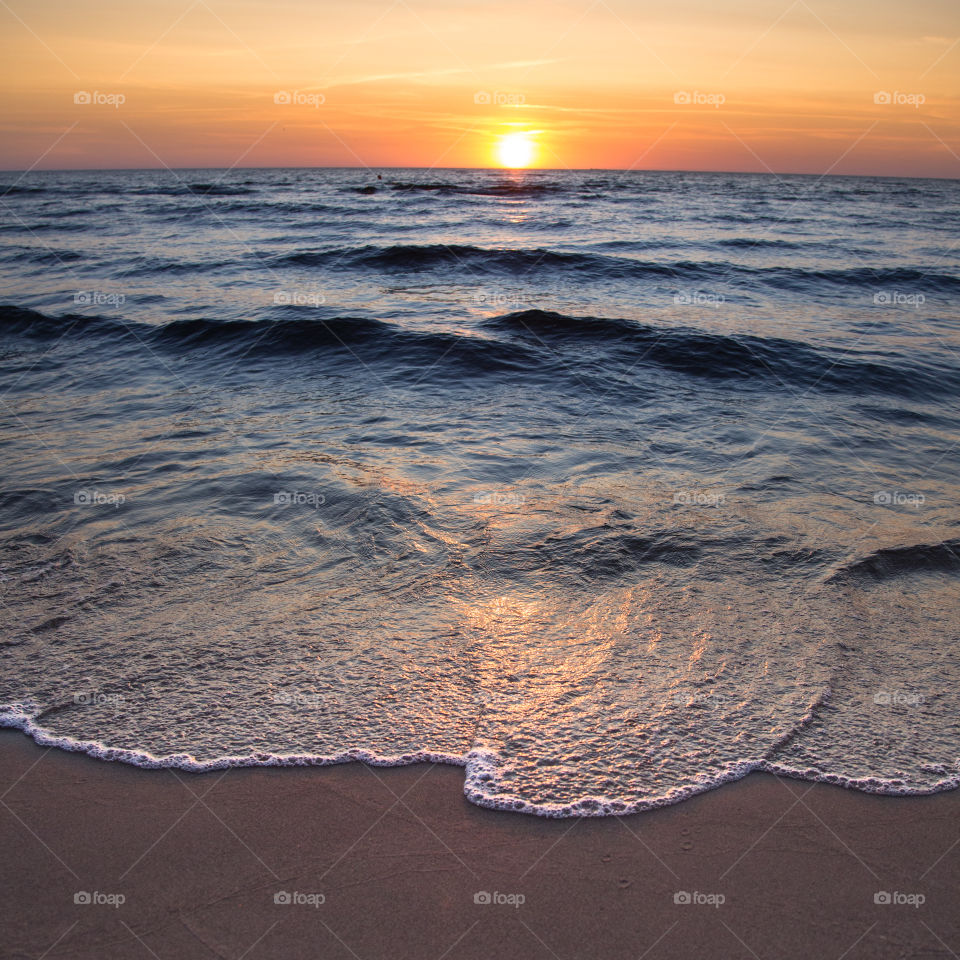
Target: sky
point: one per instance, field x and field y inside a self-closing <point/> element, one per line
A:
<point x="866" y="87"/>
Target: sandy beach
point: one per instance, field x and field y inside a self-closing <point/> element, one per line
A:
<point x="391" y="863"/>
<point x="569" y="392"/>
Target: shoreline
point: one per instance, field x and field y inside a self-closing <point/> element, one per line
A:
<point x="395" y="858"/>
<point x="474" y="763"/>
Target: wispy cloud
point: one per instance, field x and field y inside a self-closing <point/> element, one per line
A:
<point x="443" y="72"/>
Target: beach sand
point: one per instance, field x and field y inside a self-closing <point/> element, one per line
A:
<point x="398" y="856"/>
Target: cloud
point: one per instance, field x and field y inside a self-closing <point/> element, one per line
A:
<point x="442" y="72"/>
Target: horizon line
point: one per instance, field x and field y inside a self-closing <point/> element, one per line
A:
<point x="509" y="170"/>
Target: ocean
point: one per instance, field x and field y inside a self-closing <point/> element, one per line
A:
<point x="607" y="486"/>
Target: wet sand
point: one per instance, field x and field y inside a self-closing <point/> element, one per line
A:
<point x="390" y="863"/>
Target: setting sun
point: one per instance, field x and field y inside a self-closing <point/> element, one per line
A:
<point x="515" y="150"/>
<point x="558" y="403"/>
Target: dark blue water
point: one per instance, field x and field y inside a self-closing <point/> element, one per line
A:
<point x="610" y="486"/>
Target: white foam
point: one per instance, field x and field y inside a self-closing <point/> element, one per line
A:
<point x="17" y="717"/>
<point x="481" y="769"/>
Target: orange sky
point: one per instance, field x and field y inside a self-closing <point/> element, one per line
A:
<point x="784" y="87"/>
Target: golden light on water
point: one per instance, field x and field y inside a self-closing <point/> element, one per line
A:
<point x="515" y="150"/>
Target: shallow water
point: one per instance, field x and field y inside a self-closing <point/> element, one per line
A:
<point x="609" y="486"/>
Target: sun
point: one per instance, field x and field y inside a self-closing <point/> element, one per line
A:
<point x="515" y="150"/>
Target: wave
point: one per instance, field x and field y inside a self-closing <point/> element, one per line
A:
<point x="445" y="188"/>
<point x="603" y="553"/>
<point x="348" y="338"/>
<point x="524" y="341"/>
<point x="42" y="256"/>
<point x="420" y="257"/>
<point x="480" y="769"/>
<point x="890" y="562"/>
<point x="199" y="189"/>
<point x="52" y="226"/>
<point x="157" y="266"/>
<point x="762" y="243"/>
<point x="721" y="356"/>
<point x="13" y="189"/>
<point x="425" y="257"/>
<point x="293" y="215"/>
<point x="287" y="207"/>
<point x="218" y="189"/>
<point x="501" y="188"/>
